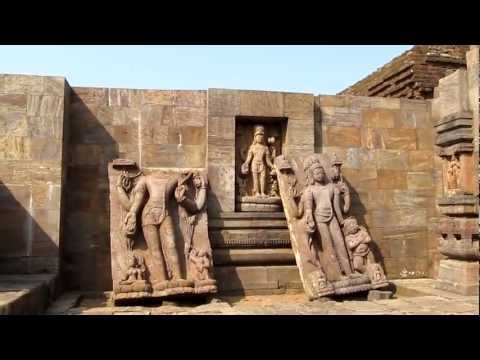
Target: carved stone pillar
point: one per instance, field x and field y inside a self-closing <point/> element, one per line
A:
<point x="458" y="228"/>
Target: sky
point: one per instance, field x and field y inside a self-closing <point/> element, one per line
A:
<point x="317" y="69"/>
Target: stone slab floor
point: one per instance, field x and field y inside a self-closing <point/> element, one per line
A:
<point x="412" y="297"/>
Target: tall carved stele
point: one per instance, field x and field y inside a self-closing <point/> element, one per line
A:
<point x="158" y="232"/>
<point x="332" y="251"/>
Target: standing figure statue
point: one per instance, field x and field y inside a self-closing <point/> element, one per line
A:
<point x="358" y="241"/>
<point x="258" y="159"/>
<point x="158" y="227"/>
<point x="190" y="208"/>
<point x="453" y="172"/>
<point x="324" y="216"/>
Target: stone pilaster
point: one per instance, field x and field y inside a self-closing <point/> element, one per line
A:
<point x="458" y="228"/>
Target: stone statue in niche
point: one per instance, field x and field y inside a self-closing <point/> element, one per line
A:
<point x="453" y="173"/>
<point x="333" y="252"/>
<point x="162" y="221"/>
<point x="260" y="169"/>
<point x="258" y="162"/>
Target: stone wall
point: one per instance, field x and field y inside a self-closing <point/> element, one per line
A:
<point x="157" y="129"/>
<point x="33" y="130"/>
<point x="387" y="146"/>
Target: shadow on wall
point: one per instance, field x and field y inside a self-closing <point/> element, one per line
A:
<point x="359" y="211"/>
<point x="29" y="243"/>
<point x="86" y="251"/>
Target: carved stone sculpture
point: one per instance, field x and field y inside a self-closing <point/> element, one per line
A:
<point x="332" y="252"/>
<point x="258" y="162"/>
<point x="262" y="194"/>
<point x="340" y="186"/>
<point x="161" y="220"/>
<point x="453" y="173"/>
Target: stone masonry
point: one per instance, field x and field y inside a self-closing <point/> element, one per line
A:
<point x="56" y="143"/>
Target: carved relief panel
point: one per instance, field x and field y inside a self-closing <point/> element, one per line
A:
<point x="159" y="232"/>
<point x="331" y="249"/>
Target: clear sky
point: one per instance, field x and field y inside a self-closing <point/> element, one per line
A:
<point x="322" y="69"/>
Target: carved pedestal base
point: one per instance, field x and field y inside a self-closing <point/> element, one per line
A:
<point x="259" y="204"/>
<point x="458" y="276"/>
<point x="134" y="290"/>
<point x="142" y="290"/>
<point x="206" y="286"/>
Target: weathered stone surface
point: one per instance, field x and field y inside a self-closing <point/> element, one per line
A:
<point x="401" y="139"/>
<point x="222" y="102"/>
<point x="342" y="136"/>
<point x="391" y="179"/>
<point x="421" y="160"/>
<point x="158" y="97"/>
<point x="299" y="133"/>
<point x="13" y="102"/>
<point x="331" y="100"/>
<point x="23" y="84"/>
<point x="372" y="138"/>
<point x="45" y="105"/>
<point x="298" y="105"/>
<point x="190" y="116"/>
<point x="379" y="295"/>
<point x="340" y="116"/>
<point x="261" y="103"/>
<point x="458" y="276"/>
<point x="379" y="118"/>
<point x="426" y="139"/>
<point x="14" y="124"/>
<point x="391" y="159"/>
<point x="253" y="257"/>
<point x="90" y="96"/>
<point x="403" y="217"/>
<point x="419" y="180"/>
<point x="191" y="98"/>
<point x="158" y="115"/>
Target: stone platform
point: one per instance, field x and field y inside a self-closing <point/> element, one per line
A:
<point x="26" y="294"/>
<point x="413" y="297"/>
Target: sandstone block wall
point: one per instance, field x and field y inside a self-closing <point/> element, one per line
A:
<point x="157" y="129"/>
<point x="33" y="128"/>
<point x="387" y="146"/>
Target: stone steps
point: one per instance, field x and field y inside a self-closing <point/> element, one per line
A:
<point x="252" y="253"/>
<point x="26" y="294"/>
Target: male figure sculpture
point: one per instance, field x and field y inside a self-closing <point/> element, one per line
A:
<point x="157" y="225"/>
<point x="259" y="158"/>
<point x="357" y="240"/>
<point x="323" y="214"/>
